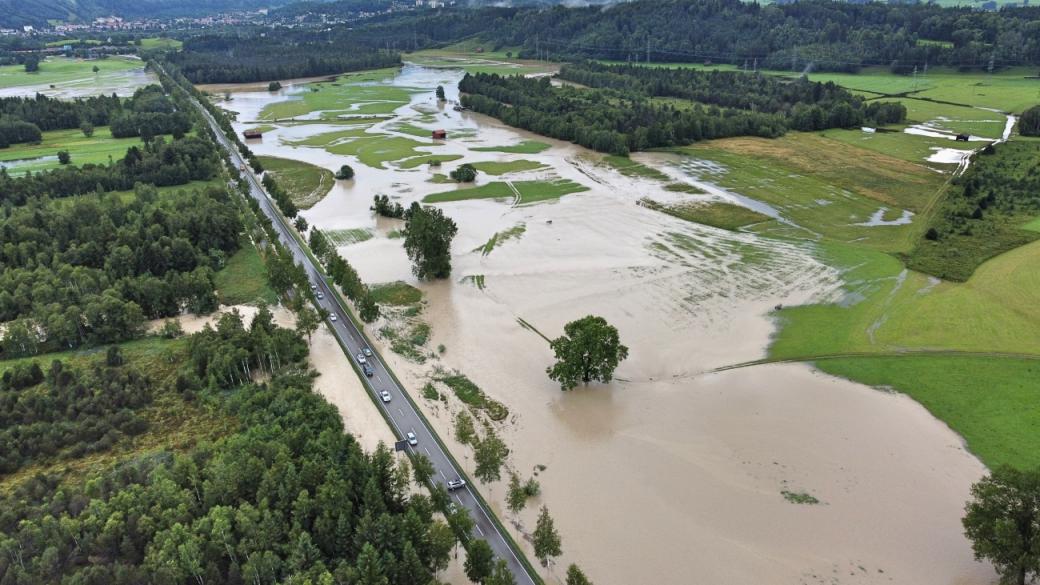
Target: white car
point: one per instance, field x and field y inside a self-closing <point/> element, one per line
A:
<point x="361" y="358"/>
<point x="384" y="396"/>
<point x="333" y="318"/>
<point x="314" y="286"/>
<point x="412" y="440"/>
<point x="454" y="484"/>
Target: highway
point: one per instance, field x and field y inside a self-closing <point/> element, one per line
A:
<point x="400" y="410"/>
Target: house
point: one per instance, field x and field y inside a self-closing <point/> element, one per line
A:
<point x="962" y="138"/>
<point x="254" y="133"/>
<point x="440" y="134"/>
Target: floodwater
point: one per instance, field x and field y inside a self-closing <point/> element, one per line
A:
<point x="671" y="474"/>
<point x="122" y="83"/>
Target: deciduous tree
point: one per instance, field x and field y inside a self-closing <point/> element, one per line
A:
<point x="588" y="350"/>
<point x="479" y="560"/>
<point x="1003" y="523"/>
<point x="546" y="539"/>
<point x="427" y="240"/>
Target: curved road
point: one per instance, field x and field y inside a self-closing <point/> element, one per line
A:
<point x="401" y="411"/>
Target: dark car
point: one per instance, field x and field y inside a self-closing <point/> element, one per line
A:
<point x="368" y="370"/>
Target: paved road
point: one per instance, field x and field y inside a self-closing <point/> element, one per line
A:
<point x="400" y="409"/>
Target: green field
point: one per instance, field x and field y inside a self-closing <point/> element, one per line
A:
<point x="824" y="186"/>
<point x="100" y="148"/>
<point x="372" y="149"/>
<point x="714" y="213"/>
<point x="351" y="94"/>
<point x="990" y="401"/>
<point x="465" y="56"/>
<point x="396" y="293"/>
<point x="244" y="279"/>
<point x="501" y="168"/>
<point x="522" y="192"/>
<point x="419" y="161"/>
<point x="152" y="43"/>
<point x="307" y="184"/>
<point x="524" y="147"/>
<point x="54" y="70"/>
<point x="631" y="168"/>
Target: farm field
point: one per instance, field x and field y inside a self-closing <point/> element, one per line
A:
<point x="61" y="70"/>
<point x="466" y="56"/>
<point x="350" y="94"/>
<point x="823" y="186"/>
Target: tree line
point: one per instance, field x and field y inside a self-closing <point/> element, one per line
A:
<point x="93" y="271"/>
<point x="615" y="121"/>
<point x="157" y="162"/>
<point x="807" y="105"/>
<point x="282" y="54"/>
<point x="344" y="275"/>
<point x="148" y="113"/>
<point x="827" y="35"/>
<point x="287" y="496"/>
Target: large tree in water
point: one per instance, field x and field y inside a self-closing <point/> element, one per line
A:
<point x="588" y="350"/>
<point x="1003" y="523"/>
<point x="427" y="240"/>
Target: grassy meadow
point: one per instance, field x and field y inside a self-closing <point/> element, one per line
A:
<point x="98" y="149"/>
<point x="350" y="94"/>
<point x="54" y="70"/>
<point x="307" y="184"/>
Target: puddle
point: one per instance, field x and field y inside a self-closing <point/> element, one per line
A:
<point x="877" y="219"/>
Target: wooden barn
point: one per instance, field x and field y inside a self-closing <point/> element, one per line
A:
<point x="440" y="134"/>
<point x="253" y="133"/>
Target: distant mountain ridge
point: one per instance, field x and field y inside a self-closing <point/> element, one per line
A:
<point x="19" y="13"/>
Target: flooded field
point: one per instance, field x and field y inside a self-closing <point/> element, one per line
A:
<point x="672" y="474"/>
<point x="71" y="78"/>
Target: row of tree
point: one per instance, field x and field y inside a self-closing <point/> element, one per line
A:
<point x="345" y="276"/>
<point x="608" y="120"/>
<point x="157" y="162"/>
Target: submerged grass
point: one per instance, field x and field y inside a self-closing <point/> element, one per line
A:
<point x="471" y="395"/>
<point x="524" y="147"/>
<point x="307" y="184"/>
<point x="714" y="213"/>
<point x="396" y="293"/>
<point x="347" y="237"/>
<point x="501" y="168"/>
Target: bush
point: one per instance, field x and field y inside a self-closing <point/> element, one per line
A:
<point x="274" y="86"/>
<point x="87" y="128"/>
<point x="345" y="173"/>
<point x="1029" y="123"/>
<point x="465" y="173"/>
<point x="64" y="157"/>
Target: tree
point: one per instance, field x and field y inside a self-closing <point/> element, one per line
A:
<point x="274" y="86"/>
<point x="479" y="560"/>
<point x="489" y="455"/>
<point x="546" y="539"/>
<point x="576" y="577"/>
<point x="32" y="64"/>
<point x="440" y="93"/>
<point x="95" y="69"/>
<point x="501" y="575"/>
<point x="466" y="173"/>
<point x="346" y="172"/>
<point x="301" y="224"/>
<point x="516" y="497"/>
<point x="422" y="469"/>
<point x="64" y="157"/>
<point x="171" y="328"/>
<point x="427" y="240"/>
<point x="1029" y="123"/>
<point x="1003" y="523"/>
<point x="86" y="128"/>
<point x="307" y="322"/>
<point x="464" y="431"/>
<point x="588" y="350"/>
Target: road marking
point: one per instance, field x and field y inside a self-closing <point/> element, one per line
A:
<point x="400" y="412"/>
<point x="479" y="530"/>
<point x="427" y="449"/>
<point x="380" y="378"/>
<point x="441" y="471"/>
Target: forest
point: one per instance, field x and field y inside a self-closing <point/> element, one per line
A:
<point x="808" y="34"/>
<point x="618" y="114"/>
<point x="285" y="55"/>
<point x="91" y="272"/>
<point x="285" y="496"/>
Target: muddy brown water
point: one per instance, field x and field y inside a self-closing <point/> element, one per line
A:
<point x="671" y="474"/>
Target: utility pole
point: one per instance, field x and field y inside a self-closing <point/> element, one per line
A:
<point x="915" y="77"/>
